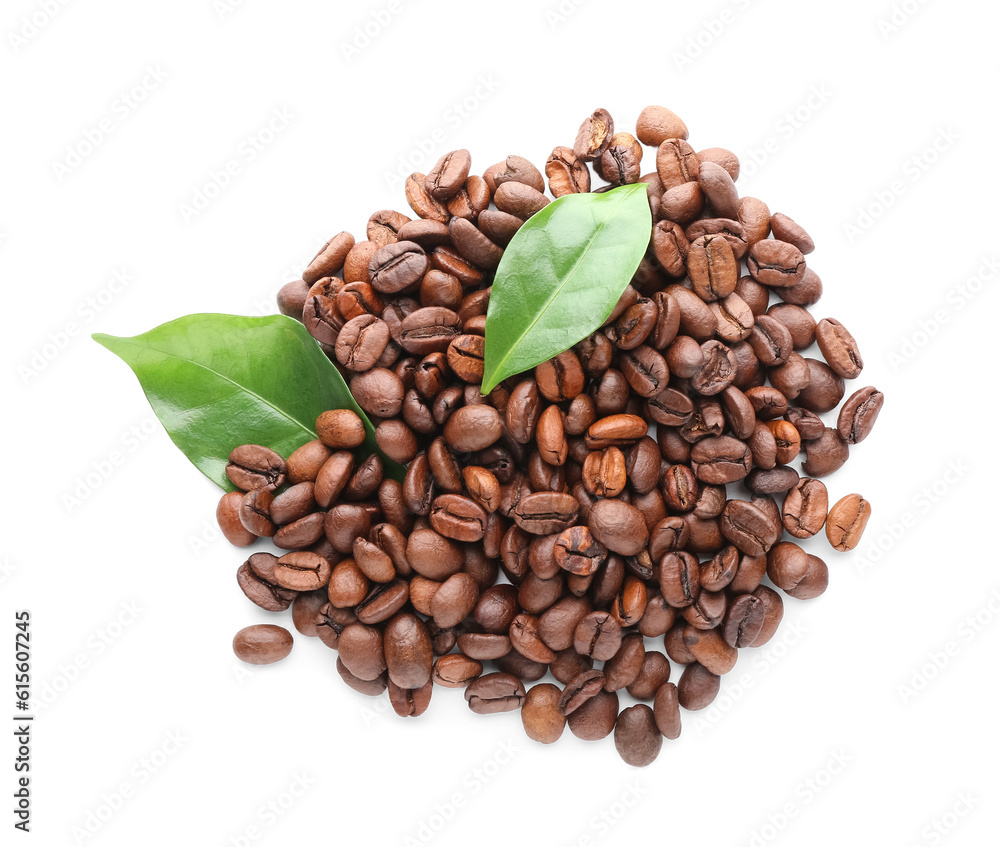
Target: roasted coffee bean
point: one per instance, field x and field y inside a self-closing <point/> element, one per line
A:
<point x="655" y="671"/>
<point x="525" y="639"/>
<point x="679" y="578"/>
<point x="577" y="551"/>
<point x="495" y="692"/>
<point x="847" y="521"/>
<point x="771" y="341"/>
<point x="540" y="715"/>
<point x="302" y="571"/>
<point x="449" y="174"/>
<point x="839" y="348"/>
<point x="227" y="514"/>
<point x="707" y="611"/>
<point x="383" y="601"/>
<point x="676" y="162"/>
<point x="458" y="517"/>
<point x="345" y="522"/>
<point x="804" y="511"/>
<point x="432" y="555"/>
<point x="472" y="428"/>
<point x="361" y="342"/>
<point x="594" y="136"/>
<point x="597" y="635"/>
<point x="717" y="185"/>
<point x="697" y="687"/>
<point x="825" y="389"/>
<point x="330" y="258"/>
<point x="637" y="738"/>
<point x="800" y="324"/>
<point x="379" y="392"/>
<point x="305" y="611"/>
<point x="710" y="649"/>
<point x="858" y="414"/>
<point x="560" y="378"/>
<point x="618" y="526"/>
<point x="362" y="649"/>
<point x="301" y="533"/>
<point x="545" y="513"/>
<point x="292" y="298"/>
<point x="744" y="620"/>
<point x="410" y="702"/>
<point x="776" y="264"/>
<point x="255" y="513"/>
<point x="785" y="229"/>
<point x="520" y="200"/>
<point x="456" y="670"/>
<point x="348" y="585"/>
<point x="262" y="644"/>
<point x="808" y="424"/>
<point x="749" y="574"/>
<point x="567" y="173"/>
<point x="408" y="653"/>
<point x="826" y="454"/>
<point x="370" y="688"/>
<point x="774" y="480"/>
<point x="622" y="669"/>
<point x="666" y="711"/>
<point x="557" y="624"/>
<point x="657" y="618"/>
<point x="252" y="467"/>
<point x="260" y="590"/>
<point x="717" y="371"/>
<point x="596" y="718"/>
<point x="720" y="460"/>
<point x="620" y="162"/>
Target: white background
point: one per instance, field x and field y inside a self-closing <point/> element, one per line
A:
<point x="842" y="730"/>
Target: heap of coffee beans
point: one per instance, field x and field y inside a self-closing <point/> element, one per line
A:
<point x="631" y="493"/>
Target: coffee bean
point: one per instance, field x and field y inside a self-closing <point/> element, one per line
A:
<point x="720" y="460"/>
<point x="666" y="711"/>
<point x="839" y="348"/>
<point x="618" y="526"/>
<point x="776" y="264"/>
<point x="594" y="135"/>
<point x="744" y="620"/>
<point x="785" y="229"/>
<point x="495" y="692"/>
<point x="252" y="467"/>
<point x="227" y="514"/>
<point x="262" y="644"/>
<point x="804" y="510"/>
<point x="637" y="738"/>
<point x="697" y="687"/>
<point x="540" y="714"/>
<point x="421" y="202"/>
<point x="858" y="414"/>
<point x="255" y="513"/>
<point x="847" y="521"/>
<point x="448" y="176"/>
<point x="597" y="635"/>
<point x="567" y="173"/>
<point x="596" y="718"/>
<point x="620" y="163"/>
<point x="302" y="571"/>
<point x="676" y="162"/>
<point x="261" y="591"/>
<point x="826" y="454"/>
<point x="383" y="601"/>
<point x="456" y="670"/>
<point x="472" y="428"/>
<point x="545" y="513"/>
<point x="825" y="389"/>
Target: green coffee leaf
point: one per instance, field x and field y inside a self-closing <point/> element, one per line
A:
<point x="561" y="275"/>
<point x="218" y="381"/>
